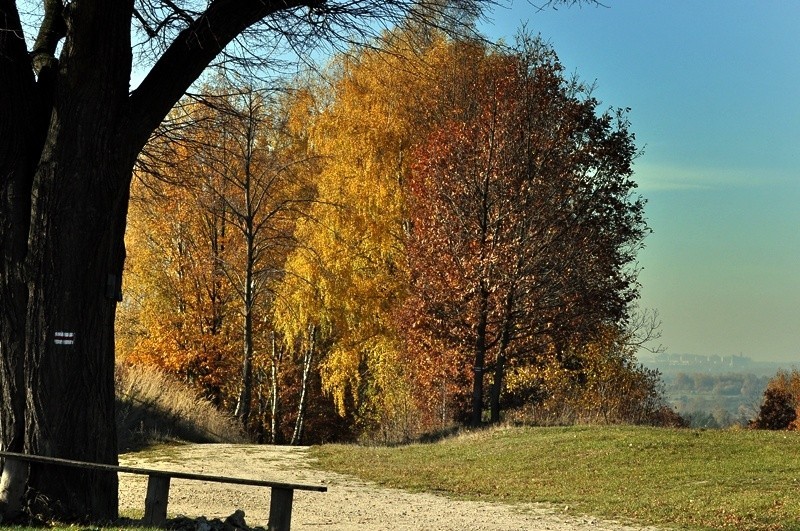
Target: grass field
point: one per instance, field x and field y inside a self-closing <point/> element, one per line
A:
<point x="683" y="479"/>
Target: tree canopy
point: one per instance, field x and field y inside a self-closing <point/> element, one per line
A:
<point x="477" y="227"/>
<point x="72" y="129"/>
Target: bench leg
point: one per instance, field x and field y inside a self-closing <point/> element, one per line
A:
<point x="155" y="504"/>
<point x="280" y="509"/>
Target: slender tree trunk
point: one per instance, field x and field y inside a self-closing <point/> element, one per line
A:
<point x="497" y="387"/>
<point x="500" y="364"/>
<point x="274" y="428"/>
<point x="245" y="396"/>
<point x="308" y="357"/>
<point x="480" y="358"/>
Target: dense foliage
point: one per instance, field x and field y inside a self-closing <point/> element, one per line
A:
<point x="387" y="239"/>
<point x="780" y="407"/>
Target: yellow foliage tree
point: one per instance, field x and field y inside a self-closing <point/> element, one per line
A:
<point x="346" y="275"/>
<point x="363" y="122"/>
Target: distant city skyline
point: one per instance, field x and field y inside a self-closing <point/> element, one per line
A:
<point x="713" y="91"/>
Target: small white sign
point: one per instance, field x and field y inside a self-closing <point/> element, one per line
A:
<point x="65" y="338"/>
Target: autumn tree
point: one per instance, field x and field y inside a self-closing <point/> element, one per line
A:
<point x="229" y="153"/>
<point x="71" y="130"/>
<point x="348" y="276"/>
<point x="344" y="276"/>
<point x="596" y="381"/>
<point x="179" y="310"/>
<point x="780" y="405"/>
<point x="524" y="222"/>
<point x="258" y="177"/>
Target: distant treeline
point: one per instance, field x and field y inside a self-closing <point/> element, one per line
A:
<point x="715" y="400"/>
<point x="664" y="359"/>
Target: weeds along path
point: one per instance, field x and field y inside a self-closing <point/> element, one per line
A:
<point x="349" y="504"/>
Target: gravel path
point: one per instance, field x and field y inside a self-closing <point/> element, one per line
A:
<point x="349" y="504"/>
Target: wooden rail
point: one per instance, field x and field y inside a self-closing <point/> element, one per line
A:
<point x="155" y="505"/>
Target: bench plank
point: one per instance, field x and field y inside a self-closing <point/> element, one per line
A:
<point x="164" y="473"/>
<point x="155" y="510"/>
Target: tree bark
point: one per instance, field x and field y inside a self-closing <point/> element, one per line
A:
<point x="500" y="363"/>
<point x="69" y="208"/>
<point x="275" y="419"/>
<point x="246" y="394"/>
<point x="308" y="357"/>
<point x="18" y="133"/>
<point x="497" y="387"/>
<point x="480" y="358"/>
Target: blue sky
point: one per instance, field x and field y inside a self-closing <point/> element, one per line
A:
<point x="714" y="92"/>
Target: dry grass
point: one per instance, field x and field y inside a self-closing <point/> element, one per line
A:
<point x="152" y="408"/>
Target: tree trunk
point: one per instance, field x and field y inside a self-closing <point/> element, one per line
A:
<point x="76" y="254"/>
<point x="246" y="395"/>
<point x="274" y="425"/>
<point x="480" y="358"/>
<point x="500" y="364"/>
<point x="66" y="202"/>
<point x="497" y="387"/>
<point x="308" y="357"/>
<point x="20" y="127"/>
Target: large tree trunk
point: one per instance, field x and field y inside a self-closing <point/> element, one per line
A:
<point x="58" y="355"/>
<point x="17" y="133"/>
<point x="20" y="128"/>
<point x="75" y="259"/>
<point x="63" y="218"/>
<point x="74" y="267"/>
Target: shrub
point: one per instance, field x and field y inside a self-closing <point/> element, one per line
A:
<point x="777" y="411"/>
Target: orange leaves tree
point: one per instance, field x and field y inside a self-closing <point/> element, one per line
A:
<point x="595" y="381"/>
<point x="524" y="224"/>
<point x="211" y="225"/>
<point x="348" y="275"/>
<point x="176" y="315"/>
<point x="781" y="403"/>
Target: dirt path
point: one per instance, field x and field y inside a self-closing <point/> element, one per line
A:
<point x="349" y="504"/>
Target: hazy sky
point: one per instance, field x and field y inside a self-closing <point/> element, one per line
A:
<point x="714" y="88"/>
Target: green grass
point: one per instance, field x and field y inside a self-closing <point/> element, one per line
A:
<point x="685" y="479"/>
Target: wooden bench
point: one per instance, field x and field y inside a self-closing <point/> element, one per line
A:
<point x="155" y="504"/>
